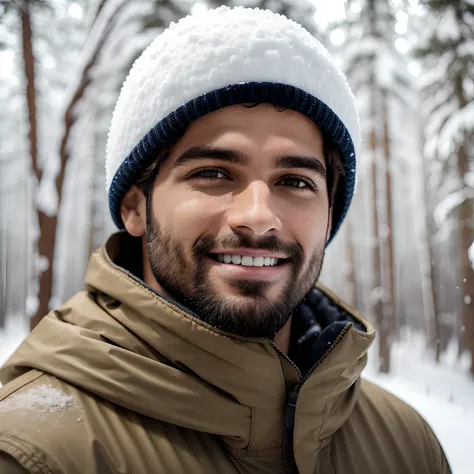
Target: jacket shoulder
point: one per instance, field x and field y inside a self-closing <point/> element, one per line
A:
<point x="377" y="400"/>
<point x="390" y="410"/>
<point x="39" y="415"/>
<point x="396" y="431"/>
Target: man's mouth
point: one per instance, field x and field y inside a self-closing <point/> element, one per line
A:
<point x="248" y="261"/>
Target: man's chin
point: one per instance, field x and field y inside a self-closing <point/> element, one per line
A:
<point x="248" y="291"/>
<point x="242" y="313"/>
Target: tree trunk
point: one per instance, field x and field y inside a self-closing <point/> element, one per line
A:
<point x="386" y="246"/>
<point x="467" y="273"/>
<point x="46" y="224"/>
<point x="378" y="292"/>
<point x="3" y="275"/>
<point x="429" y="278"/>
<point x="376" y="297"/>
<point x="29" y="68"/>
<point x="466" y="235"/>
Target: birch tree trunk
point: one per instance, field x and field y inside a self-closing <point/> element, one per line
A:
<point x="429" y="279"/>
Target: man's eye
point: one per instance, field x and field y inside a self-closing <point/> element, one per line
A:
<point x="297" y="183"/>
<point x="210" y="174"/>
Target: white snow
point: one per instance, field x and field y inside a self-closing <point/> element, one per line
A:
<point x="456" y="129"/>
<point x="448" y="26"/>
<point x="7" y="58"/>
<point x="449" y="203"/>
<point x="470" y="254"/>
<point x="199" y="8"/>
<point x="32" y="305"/>
<point x="469" y="179"/>
<point x="47" y="197"/>
<point x="15" y="330"/>
<point x="43" y="399"/>
<point x="75" y="11"/>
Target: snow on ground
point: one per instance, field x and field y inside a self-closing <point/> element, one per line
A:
<point x="443" y="394"/>
<point x="16" y="329"/>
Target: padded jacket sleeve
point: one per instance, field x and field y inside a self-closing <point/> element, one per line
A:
<point x="440" y="460"/>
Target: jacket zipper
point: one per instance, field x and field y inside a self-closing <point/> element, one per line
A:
<point x="292" y="398"/>
<point x="288" y="454"/>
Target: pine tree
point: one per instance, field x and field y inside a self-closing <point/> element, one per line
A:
<point x="117" y="33"/>
<point x="448" y="87"/>
<point x="25" y="10"/>
<point x="377" y="74"/>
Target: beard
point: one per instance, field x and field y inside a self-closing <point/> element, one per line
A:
<point x="250" y="313"/>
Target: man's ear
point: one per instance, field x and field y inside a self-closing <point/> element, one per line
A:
<point x="133" y="211"/>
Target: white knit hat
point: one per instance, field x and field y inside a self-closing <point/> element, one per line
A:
<point x="220" y="58"/>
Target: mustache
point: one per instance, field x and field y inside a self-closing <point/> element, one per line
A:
<point x="234" y="241"/>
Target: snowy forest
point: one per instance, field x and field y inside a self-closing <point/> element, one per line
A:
<point x="404" y="256"/>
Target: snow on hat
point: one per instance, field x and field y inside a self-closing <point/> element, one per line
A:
<point x="221" y="58"/>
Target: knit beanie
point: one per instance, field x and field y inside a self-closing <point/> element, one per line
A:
<point x="220" y="58"/>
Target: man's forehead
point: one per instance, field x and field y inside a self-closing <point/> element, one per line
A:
<point x="264" y="128"/>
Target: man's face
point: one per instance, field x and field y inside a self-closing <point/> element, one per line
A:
<point x="239" y="217"/>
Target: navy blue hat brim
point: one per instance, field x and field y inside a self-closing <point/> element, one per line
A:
<point x="282" y="95"/>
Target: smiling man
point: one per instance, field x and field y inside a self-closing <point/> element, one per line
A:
<point x="202" y="343"/>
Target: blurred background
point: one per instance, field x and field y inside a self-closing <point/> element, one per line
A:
<point x="404" y="257"/>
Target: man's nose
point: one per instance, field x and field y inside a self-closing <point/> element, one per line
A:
<point x="251" y="210"/>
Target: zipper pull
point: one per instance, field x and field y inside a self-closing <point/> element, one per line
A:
<point x="291" y="409"/>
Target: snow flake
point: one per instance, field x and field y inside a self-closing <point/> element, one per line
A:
<point x="42" y="399"/>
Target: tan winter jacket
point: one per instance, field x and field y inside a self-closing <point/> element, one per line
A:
<point x="122" y="381"/>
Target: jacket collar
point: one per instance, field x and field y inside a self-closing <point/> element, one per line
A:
<point x="129" y="345"/>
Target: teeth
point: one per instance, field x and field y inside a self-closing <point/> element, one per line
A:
<point x="247" y="261"/>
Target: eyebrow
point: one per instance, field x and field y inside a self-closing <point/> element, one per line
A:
<point x="221" y="154"/>
<point x="311" y="163"/>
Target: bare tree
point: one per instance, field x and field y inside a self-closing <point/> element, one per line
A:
<point x="449" y="108"/>
<point x="48" y="224"/>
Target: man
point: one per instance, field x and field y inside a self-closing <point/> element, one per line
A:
<point x="200" y="344"/>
